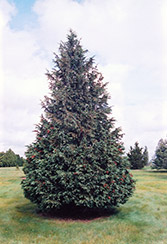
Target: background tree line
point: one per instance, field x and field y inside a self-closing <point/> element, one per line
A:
<point x="10" y="159"/>
<point x="138" y="156"/>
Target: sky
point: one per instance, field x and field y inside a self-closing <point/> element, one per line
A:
<point x="128" y="40"/>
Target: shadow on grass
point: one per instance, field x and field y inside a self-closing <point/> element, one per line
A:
<point x="158" y="174"/>
<point x="79" y="213"/>
<point x="157" y="171"/>
<point x="69" y="213"/>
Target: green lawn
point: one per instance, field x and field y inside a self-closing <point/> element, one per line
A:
<point x="142" y="220"/>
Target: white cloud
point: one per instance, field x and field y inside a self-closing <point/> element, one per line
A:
<point x="23" y="83"/>
<point x="126" y="38"/>
<point x="6" y="12"/>
<point x="5" y="16"/>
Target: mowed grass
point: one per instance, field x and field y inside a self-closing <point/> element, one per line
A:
<point x="142" y="220"/>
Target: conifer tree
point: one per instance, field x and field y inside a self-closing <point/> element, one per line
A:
<point x="77" y="157"/>
<point x="137" y="157"/>
<point x="145" y="156"/>
<point x="160" y="158"/>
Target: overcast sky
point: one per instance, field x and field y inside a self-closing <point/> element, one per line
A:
<point x="128" y="39"/>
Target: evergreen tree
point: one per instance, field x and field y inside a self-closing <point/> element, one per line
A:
<point x="1" y="158"/>
<point x="77" y="157"/>
<point x="137" y="158"/>
<point x="8" y="159"/>
<point x="160" y="159"/>
<point x="19" y="160"/>
<point x="145" y="157"/>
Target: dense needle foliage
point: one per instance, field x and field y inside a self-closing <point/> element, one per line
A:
<point x="77" y="157"/>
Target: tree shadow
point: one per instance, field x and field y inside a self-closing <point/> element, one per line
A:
<point x="157" y="171"/>
<point x="159" y="174"/>
<point x="74" y="213"/>
<point x="68" y="212"/>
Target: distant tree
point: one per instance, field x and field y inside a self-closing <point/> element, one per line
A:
<point x="20" y="160"/>
<point x="145" y="156"/>
<point x="160" y="159"/>
<point x="137" y="157"/>
<point x="77" y="157"/>
<point x="1" y="158"/>
<point x="9" y="159"/>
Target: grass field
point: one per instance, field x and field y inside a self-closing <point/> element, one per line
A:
<point x="142" y="220"/>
